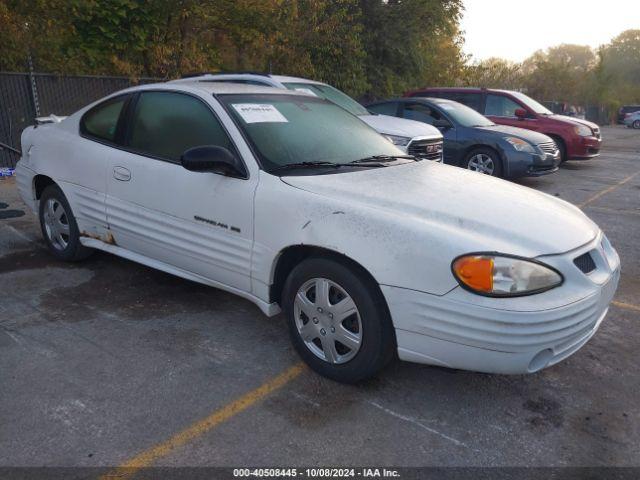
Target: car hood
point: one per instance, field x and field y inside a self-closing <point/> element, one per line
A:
<point x="401" y="126"/>
<point x="506" y="131"/>
<point x="574" y="121"/>
<point x="484" y="212"/>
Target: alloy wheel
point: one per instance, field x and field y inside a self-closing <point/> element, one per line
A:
<point x="328" y="320"/>
<point x="56" y="224"/>
<point x="481" y="163"/>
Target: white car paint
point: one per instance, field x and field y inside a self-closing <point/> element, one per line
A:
<point x="385" y="124"/>
<point x="404" y="224"/>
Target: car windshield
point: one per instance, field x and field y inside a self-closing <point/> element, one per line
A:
<point x="292" y="129"/>
<point x="465" y="116"/>
<point x="532" y="104"/>
<point x="329" y="93"/>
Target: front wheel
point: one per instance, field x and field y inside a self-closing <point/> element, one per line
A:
<point x="636" y="124"/>
<point x="484" y="160"/>
<point x="338" y="322"/>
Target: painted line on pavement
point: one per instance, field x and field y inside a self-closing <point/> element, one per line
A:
<point x="626" y="306"/>
<point x="608" y="190"/>
<point x="148" y="457"/>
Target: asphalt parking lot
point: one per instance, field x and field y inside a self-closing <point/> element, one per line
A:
<point x="107" y="363"/>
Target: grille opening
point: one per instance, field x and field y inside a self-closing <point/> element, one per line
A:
<point x="425" y="149"/>
<point x="549" y="147"/>
<point x="585" y="263"/>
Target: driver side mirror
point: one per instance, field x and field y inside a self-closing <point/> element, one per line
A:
<point x="441" y="124"/>
<point x="214" y="159"/>
<point x="521" y="113"/>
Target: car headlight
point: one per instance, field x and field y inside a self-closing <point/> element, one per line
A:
<point x="519" y="144"/>
<point x="399" y="141"/>
<point x="498" y="275"/>
<point x="583" y="131"/>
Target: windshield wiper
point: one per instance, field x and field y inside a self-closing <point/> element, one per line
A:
<point x="297" y="165"/>
<point x="291" y="166"/>
<point x="377" y="159"/>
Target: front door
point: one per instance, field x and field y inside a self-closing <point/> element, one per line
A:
<point x="198" y="222"/>
<point x="424" y="113"/>
<point x="502" y="110"/>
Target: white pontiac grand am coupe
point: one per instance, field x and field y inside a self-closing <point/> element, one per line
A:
<point x="295" y="204"/>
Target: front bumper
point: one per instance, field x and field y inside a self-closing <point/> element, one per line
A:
<point x="584" y="148"/>
<point x="508" y="336"/>
<point x="526" y="164"/>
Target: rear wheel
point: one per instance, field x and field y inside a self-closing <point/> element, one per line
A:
<point x="484" y="160"/>
<point x="636" y="124"/>
<point x="338" y="322"/>
<point x="59" y="227"/>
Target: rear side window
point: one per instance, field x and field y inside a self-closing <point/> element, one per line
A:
<point x="471" y="100"/>
<point x="101" y="122"/>
<point x="501" y="106"/>
<point x="389" y="108"/>
<point x="166" y="124"/>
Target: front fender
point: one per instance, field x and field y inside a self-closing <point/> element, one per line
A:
<point x="397" y="250"/>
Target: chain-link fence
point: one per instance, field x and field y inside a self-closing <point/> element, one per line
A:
<point x="24" y="96"/>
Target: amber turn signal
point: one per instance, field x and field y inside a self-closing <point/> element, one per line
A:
<point x="476" y="272"/>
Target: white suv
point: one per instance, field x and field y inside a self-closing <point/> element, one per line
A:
<point x="415" y="138"/>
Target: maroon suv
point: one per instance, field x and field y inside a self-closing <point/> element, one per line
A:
<point x="577" y="139"/>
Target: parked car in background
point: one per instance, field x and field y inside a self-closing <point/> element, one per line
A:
<point x="632" y="120"/>
<point x="626" y="110"/>
<point x="292" y="202"/>
<point x="414" y="138"/>
<point x="577" y="139"/>
<point x="474" y="142"/>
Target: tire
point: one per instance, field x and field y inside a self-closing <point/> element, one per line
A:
<point x="369" y="338"/>
<point x="59" y="227"/>
<point x="636" y="124"/>
<point x="484" y="160"/>
<point x="562" y="147"/>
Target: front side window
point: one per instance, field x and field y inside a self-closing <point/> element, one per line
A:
<point x="388" y="108"/>
<point x="288" y="129"/>
<point x="421" y="113"/>
<point x="101" y="122"/>
<point x="532" y="104"/>
<point x="329" y="93"/>
<point x="166" y="124"/>
<point x="463" y="115"/>
<point x="501" y="106"/>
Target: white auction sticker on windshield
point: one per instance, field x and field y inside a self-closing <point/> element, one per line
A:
<point x="306" y="90"/>
<point x="259" y="113"/>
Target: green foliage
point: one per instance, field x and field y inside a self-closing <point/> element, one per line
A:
<point x="575" y="74"/>
<point x="361" y="46"/>
<point x="369" y="48"/>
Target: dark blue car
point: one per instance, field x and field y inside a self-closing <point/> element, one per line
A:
<point x="474" y="142"/>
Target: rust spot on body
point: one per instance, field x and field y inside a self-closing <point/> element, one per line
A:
<point x="108" y="238"/>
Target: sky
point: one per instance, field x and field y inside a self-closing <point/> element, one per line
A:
<point x="514" y="29"/>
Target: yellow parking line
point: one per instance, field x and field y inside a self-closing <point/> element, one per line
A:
<point x="199" y="428"/>
<point x="626" y="306"/>
<point x="607" y="190"/>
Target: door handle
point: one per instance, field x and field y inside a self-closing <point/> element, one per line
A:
<point x="122" y="174"/>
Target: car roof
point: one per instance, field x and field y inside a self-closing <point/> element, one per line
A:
<point x="246" y="76"/>
<point x="464" y="89"/>
<point x="217" y="88"/>
<point x="437" y="101"/>
<point x="287" y="79"/>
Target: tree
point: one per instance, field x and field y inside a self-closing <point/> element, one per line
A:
<point x="410" y="43"/>
<point x="494" y="73"/>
